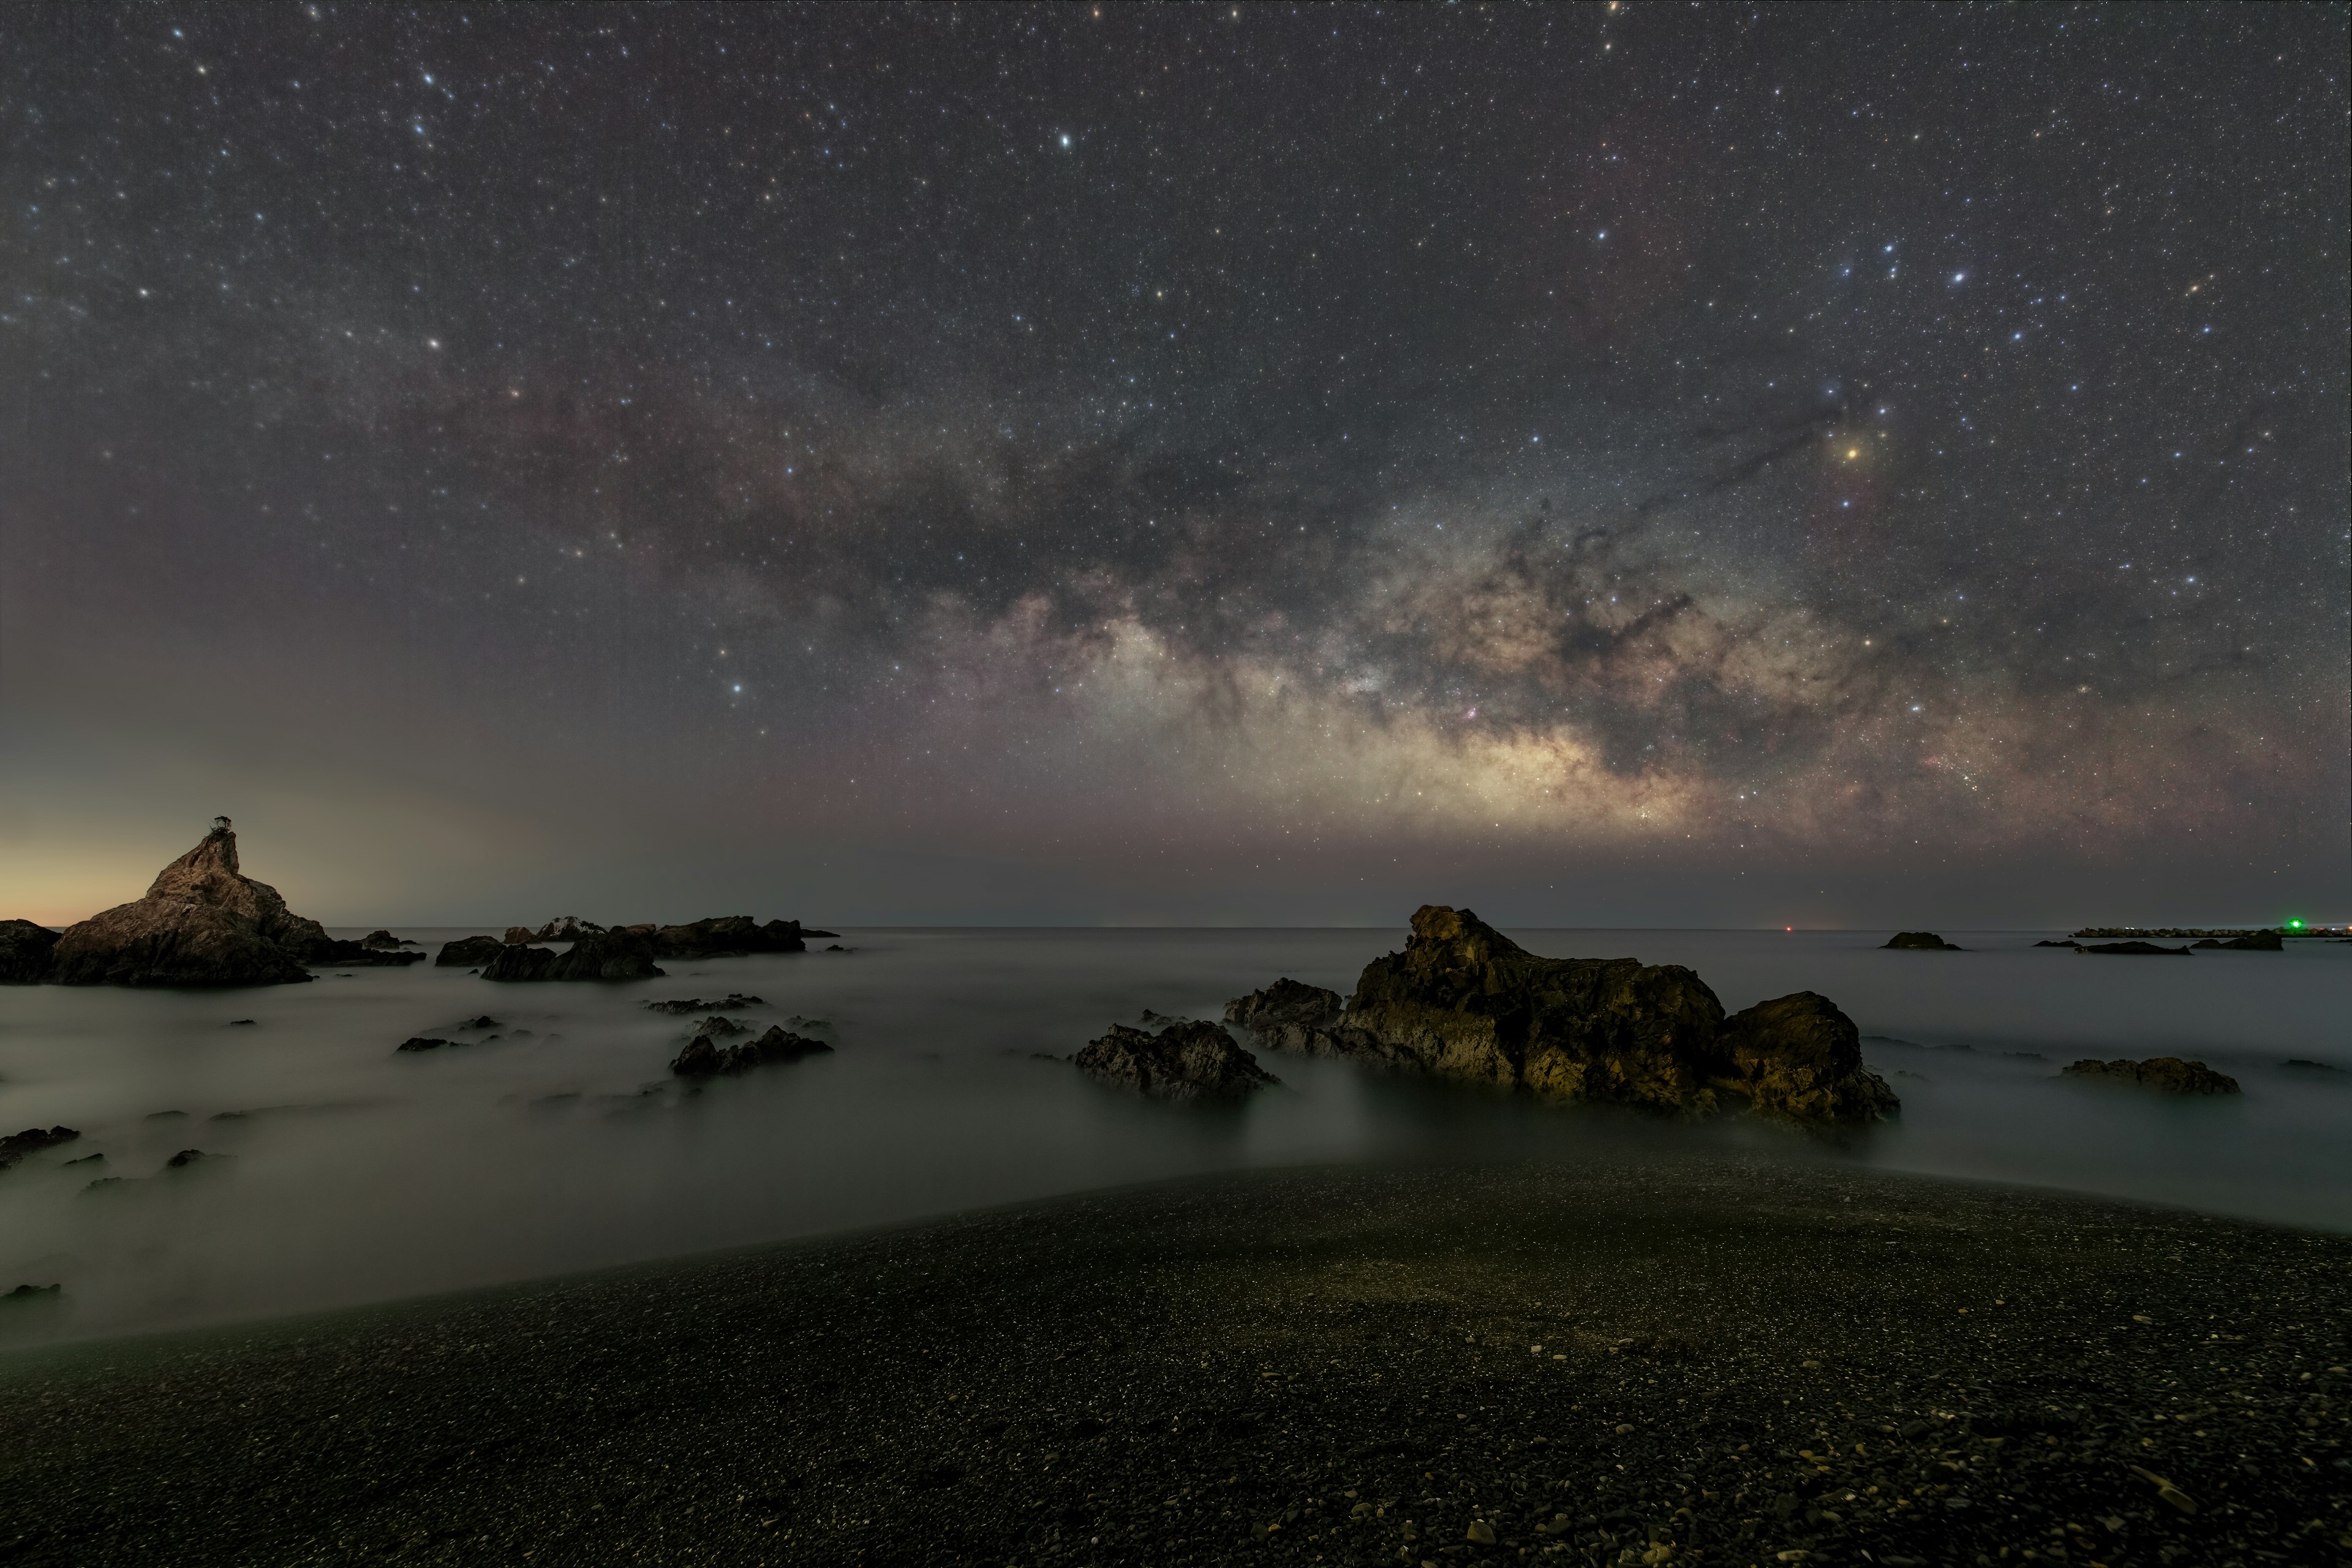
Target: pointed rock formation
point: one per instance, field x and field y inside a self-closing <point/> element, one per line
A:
<point x="1465" y="1001"/>
<point x="202" y="922"/>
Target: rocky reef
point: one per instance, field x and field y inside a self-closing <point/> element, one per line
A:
<point x="25" y="949"/>
<point x="1464" y="1001"/>
<point x="1922" y="942"/>
<point x="2170" y="1074"/>
<point x="1189" y="1062"/>
<point x="704" y="1057"/>
<point x="201" y="922"/>
<point x="623" y="954"/>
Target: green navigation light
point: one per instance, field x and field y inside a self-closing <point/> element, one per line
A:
<point x="2295" y="925"/>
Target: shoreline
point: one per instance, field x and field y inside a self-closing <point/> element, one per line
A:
<point x="1205" y="1370"/>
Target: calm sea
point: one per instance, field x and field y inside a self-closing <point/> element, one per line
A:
<point x="339" y="1172"/>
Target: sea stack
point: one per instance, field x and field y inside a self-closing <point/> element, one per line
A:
<point x="1465" y="1001"/>
<point x="202" y="922"/>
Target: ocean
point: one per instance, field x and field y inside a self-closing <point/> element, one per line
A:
<point x="337" y="1170"/>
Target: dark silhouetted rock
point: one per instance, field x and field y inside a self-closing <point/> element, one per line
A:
<point x="360" y="955"/>
<point x="482" y="1022"/>
<point x="626" y="954"/>
<point x="2063" y="942"/>
<point x="31" y="1292"/>
<point x="423" y="1043"/>
<point x="202" y="922"/>
<point x="2170" y="1074"/>
<point x="2128" y="949"/>
<point x="240" y="1023"/>
<point x="385" y="941"/>
<point x="517" y="936"/>
<point x="186" y="1158"/>
<point x="732" y="1002"/>
<point x="2307" y="1065"/>
<point x="2253" y="942"/>
<point x="728" y="936"/>
<point x="1183" y="1063"/>
<point x="469" y="951"/>
<point x="1922" y="942"/>
<point x="1464" y="1001"/>
<point x="31" y="1140"/>
<point x="705" y="1057"/>
<point x="25" y="951"/>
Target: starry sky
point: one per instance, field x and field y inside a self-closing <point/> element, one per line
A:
<point x="1604" y="464"/>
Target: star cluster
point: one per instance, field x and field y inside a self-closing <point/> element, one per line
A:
<point x="1185" y="442"/>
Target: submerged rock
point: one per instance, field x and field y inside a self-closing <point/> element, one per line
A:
<point x="32" y="1141"/>
<point x="1188" y="1062"/>
<point x="2170" y="1074"/>
<point x="2253" y="942"/>
<point x="469" y="952"/>
<point x="734" y="1001"/>
<point x="202" y="922"/>
<point x="705" y="1057"/>
<point x="1922" y="942"/>
<point x="626" y="954"/>
<point x="2147" y="949"/>
<point x="1464" y="1001"/>
<point x="25" y="949"/>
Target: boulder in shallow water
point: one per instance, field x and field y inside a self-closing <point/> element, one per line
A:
<point x="1799" y="1056"/>
<point x="1921" y="942"/>
<point x="1464" y="1001"/>
<point x="201" y="922"/>
<point x="1184" y="1063"/>
<point x="2170" y="1074"/>
<point x="25" y="951"/>
<point x="469" y="952"/>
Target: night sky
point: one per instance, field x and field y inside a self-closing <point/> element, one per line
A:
<point x="1641" y="464"/>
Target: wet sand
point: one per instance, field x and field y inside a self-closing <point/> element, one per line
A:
<point x="1701" y="1361"/>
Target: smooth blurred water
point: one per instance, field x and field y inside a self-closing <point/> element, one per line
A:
<point x="351" y="1173"/>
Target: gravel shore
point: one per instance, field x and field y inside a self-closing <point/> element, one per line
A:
<point x="1700" y="1361"/>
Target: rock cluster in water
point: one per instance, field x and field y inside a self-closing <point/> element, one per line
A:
<point x="2170" y="1074"/>
<point x="32" y="1141"/>
<point x="1185" y="1062"/>
<point x="1923" y="941"/>
<point x="1464" y="1001"/>
<point x="620" y="953"/>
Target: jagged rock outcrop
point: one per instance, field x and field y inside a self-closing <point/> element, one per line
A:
<point x="469" y="952"/>
<point x="202" y="922"/>
<point x="1464" y="1001"/>
<point x="705" y="1057"/>
<point x="1922" y="942"/>
<point x="25" y="951"/>
<point x="2170" y="1074"/>
<point x="566" y="928"/>
<point x="1185" y="1063"/>
<point x="626" y="954"/>
<point x="32" y="1141"/>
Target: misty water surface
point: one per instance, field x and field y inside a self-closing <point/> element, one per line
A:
<point x="348" y="1174"/>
